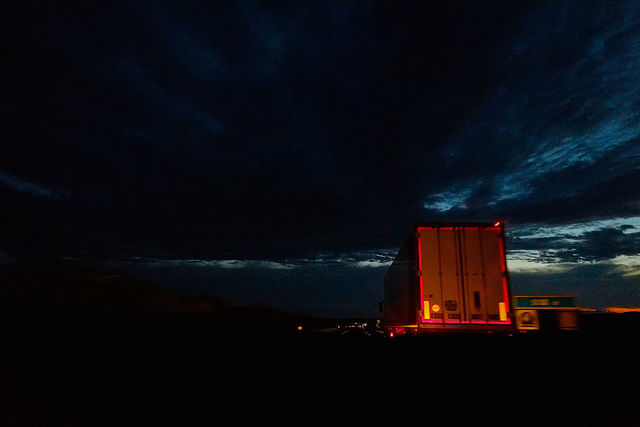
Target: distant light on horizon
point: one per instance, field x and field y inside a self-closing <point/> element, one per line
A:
<point x="622" y="310"/>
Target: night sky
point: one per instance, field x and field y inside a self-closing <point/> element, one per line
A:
<point x="278" y="153"/>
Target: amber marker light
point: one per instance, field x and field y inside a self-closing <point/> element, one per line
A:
<point x="503" y="311"/>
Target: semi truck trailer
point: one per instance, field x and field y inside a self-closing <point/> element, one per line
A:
<point x="449" y="277"/>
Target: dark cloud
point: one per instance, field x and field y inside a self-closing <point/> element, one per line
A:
<point x="212" y="118"/>
<point x="597" y="245"/>
<point x="608" y="243"/>
<point x="557" y="137"/>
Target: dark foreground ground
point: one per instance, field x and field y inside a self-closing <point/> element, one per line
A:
<point x="86" y="363"/>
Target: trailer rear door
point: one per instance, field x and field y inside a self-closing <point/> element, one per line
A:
<point x="463" y="277"/>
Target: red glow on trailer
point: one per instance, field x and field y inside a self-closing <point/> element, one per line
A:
<point x="424" y="315"/>
<point x="419" y="254"/>
<point x="475" y="322"/>
<point x="506" y="294"/>
<point x="446" y="228"/>
<point x="503" y="264"/>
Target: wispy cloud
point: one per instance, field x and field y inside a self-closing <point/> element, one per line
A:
<point x="363" y="259"/>
<point x="628" y="265"/>
<point x="549" y="248"/>
<point x="518" y="265"/>
<point x="452" y="198"/>
<point x="217" y="263"/>
<point x="24" y="186"/>
<point x="628" y="225"/>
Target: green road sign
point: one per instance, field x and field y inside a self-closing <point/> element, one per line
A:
<point x="544" y="302"/>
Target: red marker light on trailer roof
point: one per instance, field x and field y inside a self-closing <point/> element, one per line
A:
<point x="497" y="224"/>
